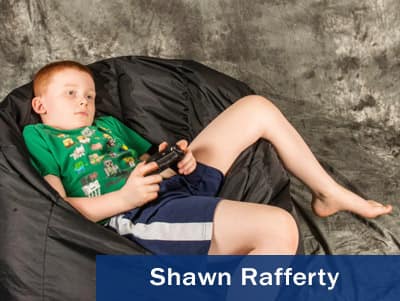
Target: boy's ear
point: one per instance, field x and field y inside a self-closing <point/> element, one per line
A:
<point x="38" y="105"/>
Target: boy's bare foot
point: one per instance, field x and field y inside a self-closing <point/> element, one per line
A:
<point x="342" y="199"/>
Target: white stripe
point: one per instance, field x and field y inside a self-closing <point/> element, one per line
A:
<point x="162" y="230"/>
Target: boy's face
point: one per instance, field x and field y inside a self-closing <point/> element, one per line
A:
<point x="68" y="100"/>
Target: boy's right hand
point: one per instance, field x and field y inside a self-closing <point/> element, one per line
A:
<point x="139" y="188"/>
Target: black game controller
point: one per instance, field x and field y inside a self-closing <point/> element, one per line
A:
<point x="167" y="158"/>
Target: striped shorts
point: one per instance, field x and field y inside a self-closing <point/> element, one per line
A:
<point x="180" y="220"/>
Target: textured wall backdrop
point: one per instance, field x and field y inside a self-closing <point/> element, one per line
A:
<point x="332" y="66"/>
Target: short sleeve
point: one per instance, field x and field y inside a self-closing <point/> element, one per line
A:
<point x="128" y="136"/>
<point x="41" y="156"/>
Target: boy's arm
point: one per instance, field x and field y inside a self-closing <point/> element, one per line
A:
<point x="95" y="208"/>
<point x="137" y="191"/>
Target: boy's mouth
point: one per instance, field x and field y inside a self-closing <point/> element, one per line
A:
<point x="83" y="113"/>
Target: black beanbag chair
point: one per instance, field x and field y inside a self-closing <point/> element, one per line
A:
<point x="47" y="249"/>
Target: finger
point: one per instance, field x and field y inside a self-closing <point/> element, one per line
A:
<point x="146" y="168"/>
<point x="163" y="145"/>
<point x="153" y="188"/>
<point x="188" y="169"/>
<point x="186" y="165"/>
<point x="153" y="179"/>
<point x="138" y="168"/>
<point x="183" y="144"/>
<point x="152" y="196"/>
<point x="186" y="159"/>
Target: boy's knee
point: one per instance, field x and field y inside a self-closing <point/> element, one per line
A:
<point x="257" y="100"/>
<point x="294" y="236"/>
<point x="289" y="231"/>
<point x="260" y="105"/>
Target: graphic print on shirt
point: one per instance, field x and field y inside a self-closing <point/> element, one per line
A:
<point x="87" y="132"/>
<point x="90" y="185"/>
<point x="83" y="139"/>
<point x="96" y="146"/>
<point x="129" y="161"/>
<point x="79" y="167"/>
<point x="95" y="158"/>
<point x="68" y="142"/>
<point x="111" y="142"/>
<point x="113" y="155"/>
<point x="110" y="168"/>
<point x="79" y="152"/>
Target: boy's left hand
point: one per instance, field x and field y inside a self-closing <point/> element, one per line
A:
<point x="188" y="164"/>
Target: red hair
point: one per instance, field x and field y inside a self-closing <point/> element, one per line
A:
<point x="43" y="76"/>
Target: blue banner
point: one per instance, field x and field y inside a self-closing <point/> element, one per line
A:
<point x="199" y="278"/>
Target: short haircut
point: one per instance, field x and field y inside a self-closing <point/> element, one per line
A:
<point x="43" y="76"/>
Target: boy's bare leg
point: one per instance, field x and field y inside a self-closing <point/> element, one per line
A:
<point x="263" y="229"/>
<point x="254" y="117"/>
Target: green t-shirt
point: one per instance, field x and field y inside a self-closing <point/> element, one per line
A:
<point x="91" y="160"/>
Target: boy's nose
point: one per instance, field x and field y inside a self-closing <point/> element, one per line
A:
<point x="83" y="101"/>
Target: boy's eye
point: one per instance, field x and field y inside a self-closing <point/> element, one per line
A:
<point x="71" y="92"/>
<point x="90" y="97"/>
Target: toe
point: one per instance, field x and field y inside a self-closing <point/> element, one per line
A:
<point x="379" y="209"/>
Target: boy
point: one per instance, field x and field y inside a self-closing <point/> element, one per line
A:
<point x="95" y="166"/>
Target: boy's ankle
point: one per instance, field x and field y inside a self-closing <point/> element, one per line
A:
<point x="328" y="193"/>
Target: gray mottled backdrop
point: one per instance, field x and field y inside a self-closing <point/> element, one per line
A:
<point x="332" y="66"/>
